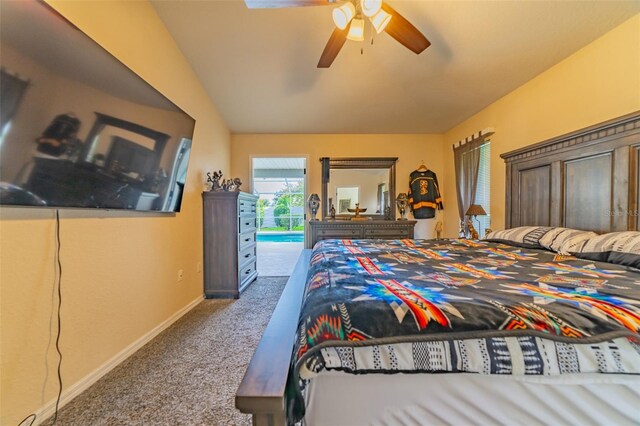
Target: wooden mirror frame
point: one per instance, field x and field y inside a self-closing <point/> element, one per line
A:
<point x="358" y="163"/>
<point x="103" y="120"/>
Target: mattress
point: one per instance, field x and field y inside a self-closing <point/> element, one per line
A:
<point x="341" y="399"/>
<point x="461" y="306"/>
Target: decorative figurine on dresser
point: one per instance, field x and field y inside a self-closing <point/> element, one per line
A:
<point x="314" y="204"/>
<point x="229" y="226"/>
<point x="402" y="202"/>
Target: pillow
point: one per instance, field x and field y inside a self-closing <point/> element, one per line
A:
<point x="622" y="248"/>
<point x="565" y="240"/>
<point x="522" y="236"/>
<point x="560" y="240"/>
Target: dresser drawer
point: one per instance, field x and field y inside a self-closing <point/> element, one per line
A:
<point x="247" y="272"/>
<point x="245" y="240"/>
<point x="338" y="233"/>
<point x="247" y="223"/>
<point x="247" y="255"/>
<point x="246" y="207"/>
<point x="386" y="233"/>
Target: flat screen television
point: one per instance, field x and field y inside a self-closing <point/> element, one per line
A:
<point x="77" y="127"/>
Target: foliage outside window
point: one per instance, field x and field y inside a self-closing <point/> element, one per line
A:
<point x="281" y="205"/>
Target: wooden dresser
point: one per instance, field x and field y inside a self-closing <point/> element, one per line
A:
<point x="229" y="242"/>
<point x="361" y="229"/>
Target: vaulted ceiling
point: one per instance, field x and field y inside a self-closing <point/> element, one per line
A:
<point x="259" y="65"/>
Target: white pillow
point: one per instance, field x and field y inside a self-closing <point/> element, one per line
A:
<point x="522" y="236"/>
<point x="622" y="248"/>
<point x="561" y="240"/>
<point x="566" y="240"/>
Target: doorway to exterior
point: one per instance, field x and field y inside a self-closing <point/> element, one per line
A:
<point x="280" y="184"/>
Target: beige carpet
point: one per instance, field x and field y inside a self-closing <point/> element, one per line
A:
<point x="189" y="374"/>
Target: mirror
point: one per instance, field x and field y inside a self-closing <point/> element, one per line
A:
<point x="124" y="147"/>
<point x="364" y="186"/>
<point x="370" y="182"/>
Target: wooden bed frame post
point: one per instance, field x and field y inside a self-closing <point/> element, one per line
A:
<point x="262" y="390"/>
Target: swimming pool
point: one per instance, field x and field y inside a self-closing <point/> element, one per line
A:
<point x="293" y="237"/>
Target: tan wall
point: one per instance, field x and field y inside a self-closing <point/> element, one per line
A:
<point x="410" y="150"/>
<point x="595" y="84"/>
<point x="119" y="268"/>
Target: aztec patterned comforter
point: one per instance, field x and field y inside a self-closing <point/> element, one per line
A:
<point x="463" y="306"/>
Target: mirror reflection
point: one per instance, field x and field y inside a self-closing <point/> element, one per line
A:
<point x="368" y="187"/>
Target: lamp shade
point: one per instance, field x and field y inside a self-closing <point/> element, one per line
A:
<point x="343" y="15"/>
<point x="370" y="7"/>
<point x="380" y="20"/>
<point x="356" y="30"/>
<point x="476" y="210"/>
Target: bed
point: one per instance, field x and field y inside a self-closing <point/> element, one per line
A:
<point x="513" y="330"/>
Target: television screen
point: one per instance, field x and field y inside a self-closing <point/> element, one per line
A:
<point x="77" y="127"/>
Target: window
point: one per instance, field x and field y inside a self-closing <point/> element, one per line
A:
<point x="280" y="182"/>
<point x="483" y="187"/>
<point x="281" y="203"/>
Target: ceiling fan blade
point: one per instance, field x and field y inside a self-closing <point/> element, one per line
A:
<point x="268" y="4"/>
<point x="404" y="32"/>
<point x="331" y="50"/>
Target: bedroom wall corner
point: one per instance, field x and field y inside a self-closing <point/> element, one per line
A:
<point x="599" y="82"/>
<point x="119" y="268"/>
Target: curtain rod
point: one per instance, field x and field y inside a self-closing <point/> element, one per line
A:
<point x="482" y="133"/>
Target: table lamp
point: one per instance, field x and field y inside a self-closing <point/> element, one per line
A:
<point x="476" y="210"/>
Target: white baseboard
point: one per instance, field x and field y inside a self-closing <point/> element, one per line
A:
<point x="80" y="386"/>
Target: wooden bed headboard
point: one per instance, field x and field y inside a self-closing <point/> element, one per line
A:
<point x="588" y="179"/>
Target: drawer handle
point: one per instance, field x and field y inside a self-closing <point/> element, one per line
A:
<point x="247" y="272"/>
<point x="353" y="232"/>
<point x="246" y="240"/>
<point x="247" y="255"/>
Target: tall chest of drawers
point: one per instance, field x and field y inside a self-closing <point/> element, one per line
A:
<point x="229" y="226"/>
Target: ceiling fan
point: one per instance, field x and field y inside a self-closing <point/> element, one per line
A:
<point x="349" y="18"/>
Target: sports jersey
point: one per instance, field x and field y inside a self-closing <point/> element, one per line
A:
<point x="424" y="194"/>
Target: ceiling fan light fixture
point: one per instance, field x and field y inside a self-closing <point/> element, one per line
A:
<point x="356" y="30"/>
<point x="380" y="20"/>
<point x="343" y="15"/>
<point x="370" y="7"/>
